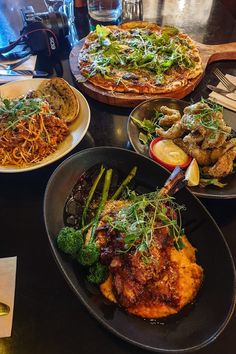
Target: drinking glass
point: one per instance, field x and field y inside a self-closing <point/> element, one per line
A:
<point x="132" y="10"/>
<point x="68" y="9"/>
<point x="53" y="5"/>
<point x="104" y="10"/>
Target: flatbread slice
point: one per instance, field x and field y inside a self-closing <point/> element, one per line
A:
<point x="61" y="98"/>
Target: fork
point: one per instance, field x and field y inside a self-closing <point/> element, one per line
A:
<point x="223" y="79"/>
<point x="14" y="65"/>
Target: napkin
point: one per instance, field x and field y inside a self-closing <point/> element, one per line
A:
<point x="7" y="293"/>
<point x="27" y="65"/>
<point x="222" y="100"/>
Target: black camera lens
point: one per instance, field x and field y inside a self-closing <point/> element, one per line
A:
<point x="56" y="22"/>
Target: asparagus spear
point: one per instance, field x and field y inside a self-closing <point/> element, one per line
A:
<point x="102" y="203"/>
<point x="89" y="254"/>
<point x="124" y="183"/>
<point x="90" y="196"/>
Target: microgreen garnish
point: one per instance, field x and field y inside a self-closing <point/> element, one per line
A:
<point x="140" y="221"/>
<point x="206" y="116"/>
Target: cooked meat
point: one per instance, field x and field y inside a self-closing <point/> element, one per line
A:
<point x="216" y="137"/>
<point x="176" y="286"/>
<point x="218" y="152"/>
<point x="195" y="136"/>
<point x="223" y="166"/>
<point x="171" y="116"/>
<point x="202" y="156"/>
<point x="195" y="108"/>
<point x="203" y="134"/>
<point x="152" y="286"/>
<point x="175" y="131"/>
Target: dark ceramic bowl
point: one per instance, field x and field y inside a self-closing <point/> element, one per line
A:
<point x="147" y="109"/>
<point x="199" y="323"/>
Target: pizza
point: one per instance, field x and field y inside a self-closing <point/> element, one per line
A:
<point x="139" y="57"/>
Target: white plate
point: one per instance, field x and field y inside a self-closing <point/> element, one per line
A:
<point x="77" y="129"/>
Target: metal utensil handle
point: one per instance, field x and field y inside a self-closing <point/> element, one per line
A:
<point x="223" y="79"/>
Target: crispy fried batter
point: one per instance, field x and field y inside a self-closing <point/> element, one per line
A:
<point x="171" y="116"/>
<point x="223" y="166"/>
<point x="175" y="131"/>
<point x="203" y="157"/>
<point x="203" y="134"/>
<point x="216" y="153"/>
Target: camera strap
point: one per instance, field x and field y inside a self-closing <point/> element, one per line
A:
<point x="50" y="41"/>
<point x="11" y="46"/>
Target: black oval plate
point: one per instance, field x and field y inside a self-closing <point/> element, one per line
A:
<point x="199" y="323"/>
<point x="146" y="110"/>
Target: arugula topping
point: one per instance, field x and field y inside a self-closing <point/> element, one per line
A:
<point x="148" y="127"/>
<point x="12" y="111"/>
<point x="138" y="48"/>
<point x="102" y="32"/>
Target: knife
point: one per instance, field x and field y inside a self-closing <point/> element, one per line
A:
<point x="223" y="92"/>
<point x="5" y="72"/>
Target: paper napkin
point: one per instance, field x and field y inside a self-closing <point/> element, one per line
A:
<point x="7" y="293"/>
<point x="224" y="101"/>
<point x="27" y="65"/>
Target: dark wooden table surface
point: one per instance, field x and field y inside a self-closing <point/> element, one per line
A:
<point x="48" y="318"/>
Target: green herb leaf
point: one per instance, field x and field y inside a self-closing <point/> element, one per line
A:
<point x="211" y="181"/>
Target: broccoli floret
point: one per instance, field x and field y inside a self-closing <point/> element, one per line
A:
<point x="97" y="273"/>
<point x="88" y="254"/>
<point x="70" y="241"/>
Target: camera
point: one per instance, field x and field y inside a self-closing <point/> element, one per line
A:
<point x="43" y="32"/>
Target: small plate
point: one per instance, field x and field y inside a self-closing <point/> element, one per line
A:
<point x="77" y="128"/>
<point x="199" y="323"/>
<point x="146" y="110"/>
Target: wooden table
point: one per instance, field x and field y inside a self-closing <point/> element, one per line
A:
<point x="48" y="318"/>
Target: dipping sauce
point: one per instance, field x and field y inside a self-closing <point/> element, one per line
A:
<point x="167" y="153"/>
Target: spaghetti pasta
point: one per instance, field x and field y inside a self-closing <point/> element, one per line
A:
<point x="29" y="131"/>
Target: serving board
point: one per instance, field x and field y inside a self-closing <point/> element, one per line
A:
<point x="208" y="53"/>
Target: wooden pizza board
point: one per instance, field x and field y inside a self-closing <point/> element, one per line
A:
<point x="208" y="53"/>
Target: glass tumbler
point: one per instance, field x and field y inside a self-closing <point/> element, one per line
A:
<point x="132" y="10"/>
<point x="68" y="9"/>
<point x="104" y="10"/>
<point x="53" y="5"/>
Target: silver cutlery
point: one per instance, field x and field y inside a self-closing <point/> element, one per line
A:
<point x="222" y="92"/>
<point x="223" y="79"/>
<point x="15" y="64"/>
<point x="6" y="72"/>
<point x="4" y="309"/>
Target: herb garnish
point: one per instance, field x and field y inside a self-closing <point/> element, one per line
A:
<point x="211" y="181"/>
<point x="156" y="52"/>
<point x="206" y="117"/>
<point x="12" y="111"/>
<point x="148" y="127"/>
<point x="141" y="220"/>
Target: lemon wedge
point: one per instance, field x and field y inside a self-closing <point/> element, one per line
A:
<point x="192" y="174"/>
